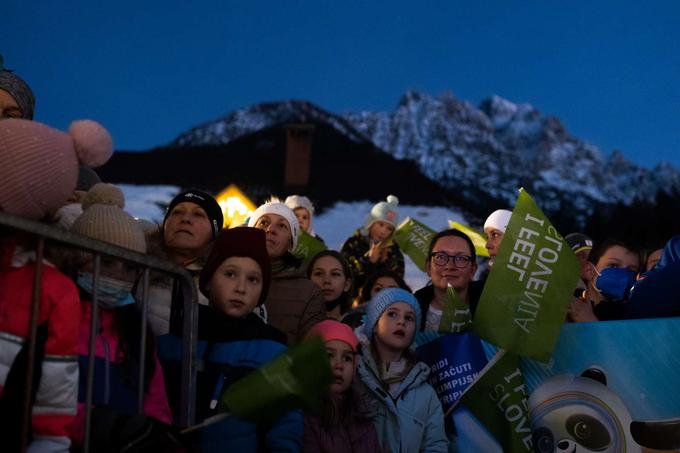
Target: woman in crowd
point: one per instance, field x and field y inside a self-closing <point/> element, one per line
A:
<point x="192" y="221"/>
<point x="330" y="271"/>
<point x="294" y="304"/>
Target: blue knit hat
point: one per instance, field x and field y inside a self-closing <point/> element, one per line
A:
<point x="379" y="303"/>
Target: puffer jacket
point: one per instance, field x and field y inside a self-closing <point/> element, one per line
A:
<point x="54" y="409"/>
<point x="355" y="250"/>
<point x="294" y="304"/>
<point x="412" y="421"/>
<point x="109" y="387"/>
<point x="229" y="349"/>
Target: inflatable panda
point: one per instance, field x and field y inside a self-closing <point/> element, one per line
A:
<point x="581" y="414"/>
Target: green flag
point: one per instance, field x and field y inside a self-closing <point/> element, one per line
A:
<point x="308" y="246"/>
<point x="413" y="239"/>
<point x="477" y="239"/>
<point x="296" y="379"/>
<point x="456" y="317"/>
<point x="525" y="298"/>
<point x="498" y="399"/>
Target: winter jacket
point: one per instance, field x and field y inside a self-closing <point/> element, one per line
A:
<point x="230" y="348"/>
<point x="357" y="438"/>
<point x="411" y="422"/>
<point x="355" y="250"/>
<point x="294" y="304"/>
<point x="54" y="408"/>
<point x="110" y="387"/>
<point x="162" y="292"/>
<point x="425" y="296"/>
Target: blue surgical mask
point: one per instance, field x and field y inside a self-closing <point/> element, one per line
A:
<point x="614" y="283"/>
<point x="111" y="293"/>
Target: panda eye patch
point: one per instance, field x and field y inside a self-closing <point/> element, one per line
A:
<point x="543" y="440"/>
<point x="588" y="431"/>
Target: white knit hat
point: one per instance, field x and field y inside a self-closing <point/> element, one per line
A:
<point x="278" y="208"/>
<point x="498" y="220"/>
<point x="300" y="201"/>
<point x="385" y="211"/>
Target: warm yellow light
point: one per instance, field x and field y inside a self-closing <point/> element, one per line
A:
<point x="236" y="207"/>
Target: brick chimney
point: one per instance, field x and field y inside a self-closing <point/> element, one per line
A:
<point x="298" y="155"/>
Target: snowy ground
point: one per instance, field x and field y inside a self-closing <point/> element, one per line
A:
<point x="335" y="225"/>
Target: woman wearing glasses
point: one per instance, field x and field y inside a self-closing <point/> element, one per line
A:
<point x="452" y="261"/>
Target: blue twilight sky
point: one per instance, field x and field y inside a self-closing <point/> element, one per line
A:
<point x="148" y="70"/>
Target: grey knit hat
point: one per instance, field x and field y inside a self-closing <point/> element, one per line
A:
<point x="19" y="90"/>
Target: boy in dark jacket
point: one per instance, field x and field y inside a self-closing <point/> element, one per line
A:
<point x="232" y="342"/>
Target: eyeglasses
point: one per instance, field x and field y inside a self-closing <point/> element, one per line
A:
<point x="441" y="259"/>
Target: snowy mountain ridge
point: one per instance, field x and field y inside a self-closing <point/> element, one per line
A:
<point x="492" y="149"/>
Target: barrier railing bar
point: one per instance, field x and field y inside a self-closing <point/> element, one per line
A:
<point x="32" y="334"/>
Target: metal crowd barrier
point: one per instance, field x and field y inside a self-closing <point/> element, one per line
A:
<point x="43" y="232"/>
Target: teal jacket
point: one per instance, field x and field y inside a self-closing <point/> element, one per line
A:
<point x="413" y="421"/>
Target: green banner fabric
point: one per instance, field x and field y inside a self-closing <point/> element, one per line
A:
<point x="413" y="238"/>
<point x="456" y="317"/>
<point x="498" y="399"/>
<point x="296" y="379"/>
<point x="525" y="298"/>
<point x="477" y="239"/>
<point x="308" y="246"/>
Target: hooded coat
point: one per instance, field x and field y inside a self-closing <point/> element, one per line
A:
<point x="412" y="421"/>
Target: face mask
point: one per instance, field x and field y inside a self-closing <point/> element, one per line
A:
<point x="67" y="214"/>
<point x="111" y="292"/>
<point x="615" y="284"/>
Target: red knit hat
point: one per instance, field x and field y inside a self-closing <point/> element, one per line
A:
<point x="242" y="241"/>
<point x="334" y="330"/>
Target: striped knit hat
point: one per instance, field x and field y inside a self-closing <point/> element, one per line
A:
<point x="19" y="90"/>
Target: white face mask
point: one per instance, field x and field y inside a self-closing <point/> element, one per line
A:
<point x="67" y="214"/>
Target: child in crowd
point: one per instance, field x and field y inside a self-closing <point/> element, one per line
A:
<point x="330" y="271"/>
<point x="232" y="342"/>
<point x="371" y="248"/>
<point x="342" y="426"/>
<point x="304" y="211"/>
<point x="406" y="411"/>
<point x="596" y="305"/>
<point x="374" y="283"/>
<point x="33" y="154"/>
<point x="118" y="354"/>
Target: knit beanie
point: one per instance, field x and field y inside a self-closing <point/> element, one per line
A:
<point x="385" y="211"/>
<point x="331" y="329"/>
<point x="578" y="242"/>
<point x="103" y="218"/>
<point x="379" y="303"/>
<point x="204" y="200"/>
<point x="39" y="165"/>
<point x="19" y="90"/>
<point x="498" y="220"/>
<point x="278" y="208"/>
<point x="240" y="241"/>
<point x="300" y="201"/>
